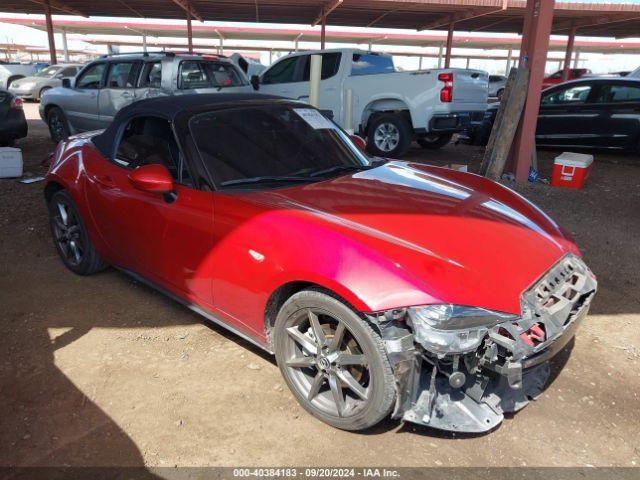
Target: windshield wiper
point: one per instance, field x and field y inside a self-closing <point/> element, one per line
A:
<point x="265" y="179"/>
<point x="338" y="168"/>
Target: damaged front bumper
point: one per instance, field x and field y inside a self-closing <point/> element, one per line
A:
<point x="471" y="392"/>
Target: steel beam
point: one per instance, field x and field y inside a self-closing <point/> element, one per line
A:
<point x="189" y="29"/>
<point x="59" y="5"/>
<point x="447" y="55"/>
<point x="65" y="47"/>
<point x="458" y="17"/>
<point x="568" y="53"/>
<point x="326" y="10"/>
<point x="50" y="36"/>
<point x="188" y="8"/>
<point x="323" y="31"/>
<point x="533" y="55"/>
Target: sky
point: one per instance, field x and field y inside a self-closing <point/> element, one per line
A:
<point x="597" y="62"/>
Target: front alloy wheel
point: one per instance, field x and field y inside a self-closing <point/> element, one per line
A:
<point x="333" y="361"/>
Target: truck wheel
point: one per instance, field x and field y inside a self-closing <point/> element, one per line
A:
<point x="333" y="361"/>
<point x="58" y="125"/>
<point x="500" y="93"/>
<point x="433" y="141"/>
<point x="389" y="135"/>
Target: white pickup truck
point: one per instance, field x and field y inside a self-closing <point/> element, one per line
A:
<point x="389" y="108"/>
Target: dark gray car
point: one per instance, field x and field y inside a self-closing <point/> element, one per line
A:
<point x="104" y="86"/>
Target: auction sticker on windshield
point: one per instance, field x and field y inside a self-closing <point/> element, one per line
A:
<point x="314" y="118"/>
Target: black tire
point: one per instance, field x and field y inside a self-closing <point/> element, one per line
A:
<point x="70" y="236"/>
<point x="41" y="92"/>
<point x="58" y="125"/>
<point x="499" y="94"/>
<point x="355" y="358"/>
<point x="433" y="141"/>
<point x="381" y="135"/>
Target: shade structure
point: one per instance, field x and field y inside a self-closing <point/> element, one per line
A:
<point x="591" y="19"/>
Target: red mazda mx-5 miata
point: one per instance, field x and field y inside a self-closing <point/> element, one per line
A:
<point x="383" y="287"/>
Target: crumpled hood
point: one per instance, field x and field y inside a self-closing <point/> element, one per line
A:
<point x="465" y="239"/>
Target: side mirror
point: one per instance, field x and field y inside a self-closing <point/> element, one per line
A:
<point x="153" y="178"/>
<point x="360" y="142"/>
<point x="66" y="83"/>
<point x="255" y="82"/>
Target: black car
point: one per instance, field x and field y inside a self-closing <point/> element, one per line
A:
<point x="13" y="125"/>
<point x="585" y="113"/>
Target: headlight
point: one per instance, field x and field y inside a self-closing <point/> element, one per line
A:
<point x="447" y="328"/>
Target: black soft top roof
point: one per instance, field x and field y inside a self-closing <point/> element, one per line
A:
<point x="177" y="108"/>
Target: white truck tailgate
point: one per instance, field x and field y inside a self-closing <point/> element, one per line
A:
<point x="470" y="86"/>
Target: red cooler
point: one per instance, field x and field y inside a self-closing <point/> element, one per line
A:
<point x="571" y="170"/>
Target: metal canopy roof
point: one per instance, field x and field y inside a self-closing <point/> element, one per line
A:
<point x="592" y="19"/>
<point x="269" y="33"/>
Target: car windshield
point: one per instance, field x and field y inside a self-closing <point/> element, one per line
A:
<point x="271" y="146"/>
<point x="48" y="72"/>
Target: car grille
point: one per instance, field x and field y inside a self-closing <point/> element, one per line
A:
<point x="548" y="308"/>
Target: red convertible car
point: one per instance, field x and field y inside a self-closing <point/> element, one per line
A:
<point x="384" y="288"/>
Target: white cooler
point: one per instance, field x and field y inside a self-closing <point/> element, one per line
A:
<point x="10" y="162"/>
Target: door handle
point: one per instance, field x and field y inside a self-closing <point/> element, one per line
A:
<point x="126" y="93"/>
<point x="104" y="180"/>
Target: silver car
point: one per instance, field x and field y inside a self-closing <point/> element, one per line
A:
<point x="33" y="87"/>
<point x="91" y="100"/>
<point x="496" y="85"/>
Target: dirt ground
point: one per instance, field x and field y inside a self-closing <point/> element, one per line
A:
<point x="103" y="371"/>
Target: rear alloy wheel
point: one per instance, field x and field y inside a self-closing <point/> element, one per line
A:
<point x="333" y="361"/>
<point x="433" y="141"/>
<point x="389" y="135"/>
<point x="70" y="236"/>
<point x="58" y="125"/>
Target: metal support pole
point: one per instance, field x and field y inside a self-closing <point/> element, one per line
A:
<point x="144" y="42"/>
<point x="509" y="53"/>
<point x="221" y="47"/>
<point x="52" y="40"/>
<point x="468" y="62"/>
<point x="533" y="55"/>
<point x="270" y="57"/>
<point x="420" y="63"/>
<point x="189" y="31"/>
<point x="65" y="47"/>
<point x="323" y="28"/>
<point x="347" y="120"/>
<point x="568" y="54"/>
<point x="314" y="80"/>
<point x="440" y="50"/>
<point x="576" y="59"/>
<point x="447" y="56"/>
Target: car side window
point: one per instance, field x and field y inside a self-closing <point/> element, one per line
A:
<point x="568" y="96"/>
<point x="69" y="72"/>
<point x="91" y="78"/>
<point x="123" y="75"/>
<point x="330" y="65"/>
<point x="618" y="94"/>
<point x="208" y="74"/>
<point x="151" y="75"/>
<point x="371" y="64"/>
<point x="282" y="72"/>
<point x="148" y="141"/>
